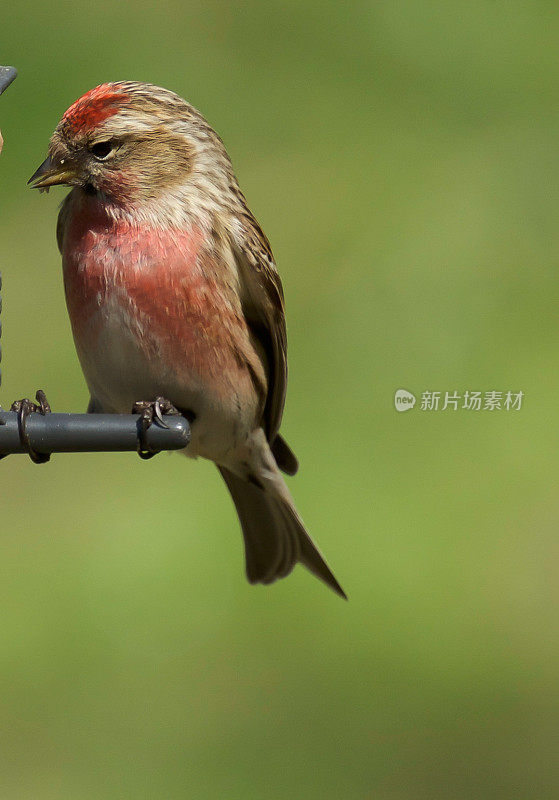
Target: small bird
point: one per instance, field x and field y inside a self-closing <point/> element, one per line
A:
<point x="175" y="301"/>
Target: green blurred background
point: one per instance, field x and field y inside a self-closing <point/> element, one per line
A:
<point x="402" y="158"/>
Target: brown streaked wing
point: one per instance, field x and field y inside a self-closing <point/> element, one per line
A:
<point x="264" y="310"/>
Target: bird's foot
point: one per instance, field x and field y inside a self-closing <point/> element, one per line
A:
<point x="150" y="410"/>
<point x="24" y="408"/>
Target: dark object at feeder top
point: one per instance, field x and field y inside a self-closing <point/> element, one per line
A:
<point x="7" y="75"/>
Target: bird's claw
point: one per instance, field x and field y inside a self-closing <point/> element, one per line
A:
<point x="148" y="411"/>
<point x="24" y="408"/>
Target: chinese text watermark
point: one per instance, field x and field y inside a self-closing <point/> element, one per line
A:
<point x="456" y="401"/>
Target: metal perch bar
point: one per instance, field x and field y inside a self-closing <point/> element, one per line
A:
<point x="7" y="75"/>
<point x="80" y="433"/>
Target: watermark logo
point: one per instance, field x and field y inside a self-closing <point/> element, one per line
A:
<point x="456" y="401"/>
<point x="403" y="400"/>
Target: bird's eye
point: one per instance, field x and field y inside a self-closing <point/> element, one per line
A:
<point x="102" y="149"/>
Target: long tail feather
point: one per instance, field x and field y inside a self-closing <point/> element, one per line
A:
<point x="274" y="534"/>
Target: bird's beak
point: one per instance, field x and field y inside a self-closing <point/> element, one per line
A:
<point x="53" y="173"/>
